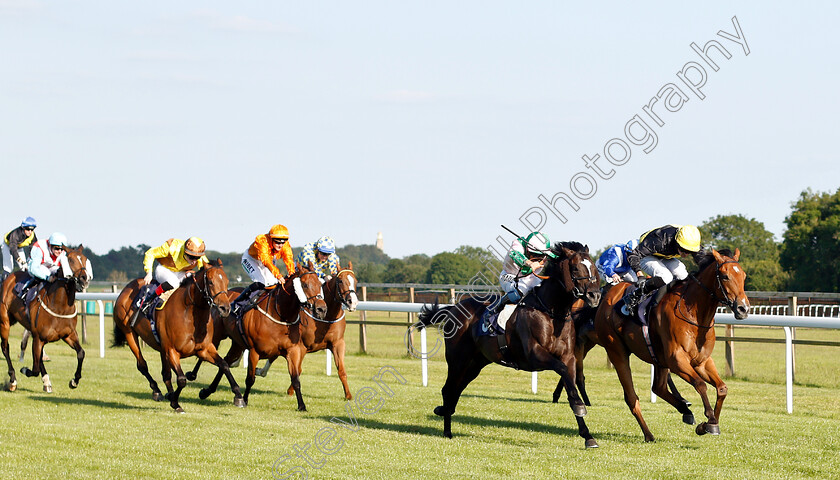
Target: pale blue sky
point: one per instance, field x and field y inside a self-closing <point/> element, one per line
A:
<point x="433" y="122"/>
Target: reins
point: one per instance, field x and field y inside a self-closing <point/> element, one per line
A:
<point x="712" y="293"/>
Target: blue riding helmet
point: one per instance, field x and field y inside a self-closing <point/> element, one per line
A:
<point x="57" y="240"/>
<point x="631" y="245"/>
<point x="325" y="245"/>
<point x="29" y="222"/>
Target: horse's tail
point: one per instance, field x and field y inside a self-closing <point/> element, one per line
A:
<point x="430" y="315"/>
<point x="119" y="335"/>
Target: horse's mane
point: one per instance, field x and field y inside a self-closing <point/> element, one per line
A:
<point x="705" y="258"/>
<point x="576" y="247"/>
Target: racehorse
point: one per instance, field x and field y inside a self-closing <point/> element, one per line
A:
<point x="539" y="335"/>
<point x="317" y="335"/>
<point x="51" y="316"/>
<point x="682" y="336"/>
<point x="185" y="325"/>
<point x="274" y="328"/>
<point x="584" y="317"/>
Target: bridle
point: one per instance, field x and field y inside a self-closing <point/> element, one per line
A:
<point x="725" y="300"/>
<point x="343" y="297"/>
<point x="318" y="296"/>
<point x="204" y="288"/>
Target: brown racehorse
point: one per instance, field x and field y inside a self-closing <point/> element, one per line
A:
<point x="317" y="334"/>
<point x="185" y="325"/>
<point x="539" y="334"/>
<point x="51" y="316"/>
<point x="273" y="328"/>
<point x="682" y="336"/>
<point x="584" y="317"/>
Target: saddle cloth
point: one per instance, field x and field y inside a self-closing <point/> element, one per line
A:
<point x="493" y="324"/>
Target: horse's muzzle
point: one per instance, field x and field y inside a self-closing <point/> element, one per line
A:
<point x="592" y="298"/>
<point x="741" y="311"/>
<point x="224" y="310"/>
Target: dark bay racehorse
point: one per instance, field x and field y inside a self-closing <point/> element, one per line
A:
<point x="682" y="336"/>
<point x="539" y="334"/>
<point x="316" y="334"/>
<point x="273" y="328"/>
<point x="51" y="316"/>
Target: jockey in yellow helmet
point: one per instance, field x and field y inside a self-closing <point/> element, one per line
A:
<point x="258" y="262"/>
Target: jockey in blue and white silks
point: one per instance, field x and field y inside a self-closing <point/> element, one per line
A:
<point x="323" y="257"/>
<point x="613" y="265"/>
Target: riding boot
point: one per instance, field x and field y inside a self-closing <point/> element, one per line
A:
<point x="243" y="303"/>
<point x="144" y="299"/>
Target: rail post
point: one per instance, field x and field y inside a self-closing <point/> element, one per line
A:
<point x="362" y="323"/>
<point x="792" y="306"/>
<point x="730" y="351"/>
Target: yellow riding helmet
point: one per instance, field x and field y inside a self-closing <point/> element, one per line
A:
<point x="194" y="246"/>
<point x="688" y="238"/>
<point x="279" y="231"/>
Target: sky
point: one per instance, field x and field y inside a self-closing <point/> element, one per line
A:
<point x="432" y="122"/>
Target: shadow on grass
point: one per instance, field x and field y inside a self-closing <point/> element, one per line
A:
<point x="187" y="397"/>
<point x="365" y="423"/>
<point x="88" y="401"/>
<point x="506" y="399"/>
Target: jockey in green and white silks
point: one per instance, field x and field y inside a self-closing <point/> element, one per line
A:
<point x="523" y="262"/>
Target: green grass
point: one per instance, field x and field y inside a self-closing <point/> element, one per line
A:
<point x="110" y="428"/>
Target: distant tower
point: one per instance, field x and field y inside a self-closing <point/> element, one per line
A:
<point x="380" y="244"/>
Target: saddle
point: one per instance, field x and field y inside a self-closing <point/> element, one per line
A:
<point x="648" y="303"/>
<point x="493" y="324"/>
<point x="33" y="286"/>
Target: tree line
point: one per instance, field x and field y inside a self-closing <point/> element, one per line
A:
<point x="806" y="259"/>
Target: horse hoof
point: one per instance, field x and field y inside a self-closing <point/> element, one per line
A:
<point x="440" y="412"/>
<point x="179" y="410"/>
<point x="191" y="376"/>
<point x="302" y="408"/>
<point x="650" y="440"/>
<point x="448" y="435"/>
<point x="591" y="443"/>
<point x="555" y="398"/>
<point x="203" y="393"/>
<point x="579" y="410"/>
<point x="157" y="396"/>
<point x="238" y="402"/>
<point x="290" y="391"/>
<point x="713" y="429"/>
<point x="688" y="418"/>
<point x="11" y="386"/>
<point x="48" y="388"/>
<point x="73" y="384"/>
<point x="701" y="429"/>
<point x="24" y="371"/>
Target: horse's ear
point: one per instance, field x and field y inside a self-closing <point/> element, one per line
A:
<point x="218" y="262"/>
<point x="351" y="265"/>
<point x="567" y="252"/>
<point x="718" y="256"/>
<point x="309" y="266"/>
<point x="586" y="249"/>
<point x="737" y="254"/>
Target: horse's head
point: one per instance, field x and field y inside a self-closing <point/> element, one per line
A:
<point x="729" y="280"/>
<point x="309" y="292"/>
<point x="345" y="287"/>
<point x="212" y="282"/>
<point x="82" y="272"/>
<point x="574" y="270"/>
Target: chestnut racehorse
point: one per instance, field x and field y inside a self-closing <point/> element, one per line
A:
<point x="185" y="325"/>
<point x="274" y="328"/>
<point x="51" y="316"/>
<point x="539" y="335"/>
<point x="682" y="336"/>
<point x="340" y="295"/>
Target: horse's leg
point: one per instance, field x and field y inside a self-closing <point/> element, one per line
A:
<point x="212" y="356"/>
<point x="193" y="374"/>
<point x="166" y="373"/>
<point x="142" y="366"/>
<point x="540" y="358"/>
<point x="689" y="373"/>
<point x="294" y="357"/>
<point x="661" y="382"/>
<point x="175" y="365"/>
<point x="338" y="356"/>
<point x="4" y="345"/>
<point x="24" y="341"/>
<point x="673" y="388"/>
<point x="621" y="362"/>
<point x="251" y="375"/>
<point x="571" y="359"/>
<point x="581" y="349"/>
<point x="73" y="341"/>
<point x="38" y="367"/>
<point x="234" y="353"/>
<point x="264" y="370"/>
<point x="457" y="379"/>
<point x="708" y="372"/>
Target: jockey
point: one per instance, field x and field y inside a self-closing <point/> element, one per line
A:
<point x="323" y="257"/>
<point x="658" y="255"/>
<point x="47" y="256"/>
<point x="523" y="263"/>
<point x="176" y="259"/>
<point x="258" y="262"/>
<point x="613" y="265"/>
<point x="14" y="242"/>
